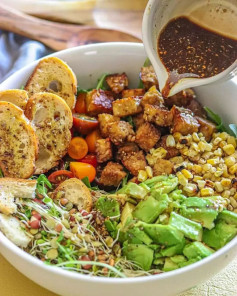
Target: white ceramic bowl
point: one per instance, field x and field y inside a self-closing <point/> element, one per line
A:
<point x="89" y="62"/>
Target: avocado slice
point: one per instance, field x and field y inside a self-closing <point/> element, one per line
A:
<point x="228" y="217"/>
<point x="134" y="190"/>
<point x="199" y="210"/>
<point x="190" y="229"/>
<point x="178" y="259"/>
<point x="140" y="254"/>
<point x="165" y="186"/>
<point x="220" y="235"/>
<point x="137" y="236"/>
<point x="173" y="250"/>
<point x="108" y="207"/>
<point x="148" y="210"/>
<point x="151" y="182"/>
<point x="170" y="265"/>
<point x="127" y="213"/>
<point x="197" y="249"/>
<point x="191" y="261"/>
<point x="166" y="235"/>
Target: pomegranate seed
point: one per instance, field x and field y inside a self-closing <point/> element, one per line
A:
<point x="86" y="258"/>
<point x="58" y="227"/>
<point x="34" y="223"/>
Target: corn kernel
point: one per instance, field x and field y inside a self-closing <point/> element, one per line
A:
<point x="213" y="161"/>
<point x="177" y="159"/>
<point x="207" y="176"/>
<point x="223" y="136"/>
<point x="195" y="137"/>
<point x="229" y="149"/>
<point x="149" y="171"/>
<point x="201" y="146"/>
<point x="218" y="187"/>
<point x="206" y="167"/>
<point x="187" y="174"/>
<point x="218" y="152"/>
<point x="177" y="136"/>
<point x="235" y="196"/>
<point x="225" y="182"/>
<point x="208" y="147"/>
<point x="207" y="191"/>
<point x="232" y="191"/>
<point x="233" y="169"/>
<point x="190" y="188"/>
<point x="197" y="178"/>
<point x="201" y="183"/>
<point x="231" y="140"/>
<point x="195" y="147"/>
<point x="218" y="172"/>
<point x="170" y="141"/>
<point x="197" y="168"/>
<point x="200" y="135"/>
<point x="142" y="176"/>
<point x="217" y="140"/>
<point x="207" y="155"/>
<point x="202" y="161"/>
<point x="229" y="161"/>
<point x="233" y="202"/>
<point x="182" y="180"/>
<point x="226" y="194"/>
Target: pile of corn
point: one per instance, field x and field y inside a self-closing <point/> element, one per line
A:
<point x="204" y="168"/>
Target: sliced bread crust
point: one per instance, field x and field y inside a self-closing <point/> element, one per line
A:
<point x="18" y="97"/>
<point x="55" y="76"/>
<point x="11" y="188"/>
<point x="18" y="142"/>
<point x="52" y="119"/>
<point x="76" y="192"/>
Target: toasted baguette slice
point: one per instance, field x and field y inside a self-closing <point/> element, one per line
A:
<point x="52" y="119"/>
<point x="11" y="188"/>
<point x="76" y="192"/>
<point x="18" y="97"/>
<point x="18" y="142"/>
<point x="55" y="76"/>
<point x="12" y="228"/>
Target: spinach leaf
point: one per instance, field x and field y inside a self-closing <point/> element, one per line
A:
<point x="146" y="64"/>
<point x="129" y="120"/>
<point x="101" y="82"/>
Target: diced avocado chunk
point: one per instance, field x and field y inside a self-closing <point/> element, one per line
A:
<point x="178" y="259"/>
<point x="173" y="250"/>
<point x="108" y="207"/>
<point x="165" y="186"/>
<point x="191" y="261"/>
<point x="147" y="210"/>
<point x="189" y="228"/>
<point x="137" y="236"/>
<point x="140" y="254"/>
<point x="170" y="265"/>
<point x="151" y="182"/>
<point x="197" y="249"/>
<point x="228" y="217"/>
<point x="111" y="226"/>
<point x="165" y="235"/>
<point x="134" y="190"/>
<point x="200" y="210"/>
<point x="159" y="261"/>
<point x="127" y="213"/>
<point x="220" y="235"/>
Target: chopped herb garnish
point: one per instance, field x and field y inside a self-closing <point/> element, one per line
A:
<point x="146" y="64"/>
<point x="129" y="120"/>
<point x="81" y="90"/>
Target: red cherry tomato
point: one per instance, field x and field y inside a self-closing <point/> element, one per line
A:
<point x="84" y="124"/>
<point x="60" y="176"/>
<point x="34" y="223"/>
<point x="91" y="159"/>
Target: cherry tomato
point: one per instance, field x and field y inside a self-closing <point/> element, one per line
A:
<point x="60" y="176"/>
<point x="84" y="124"/>
<point x="78" y="148"/>
<point x="91" y="159"/>
<point x="34" y="223"/>
<point x="80" y="106"/>
<point x="36" y="215"/>
<point x="91" y="140"/>
<point x="81" y="170"/>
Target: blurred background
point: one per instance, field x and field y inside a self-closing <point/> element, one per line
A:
<point x="125" y="15"/>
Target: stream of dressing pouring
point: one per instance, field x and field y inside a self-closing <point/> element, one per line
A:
<point x="219" y="16"/>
